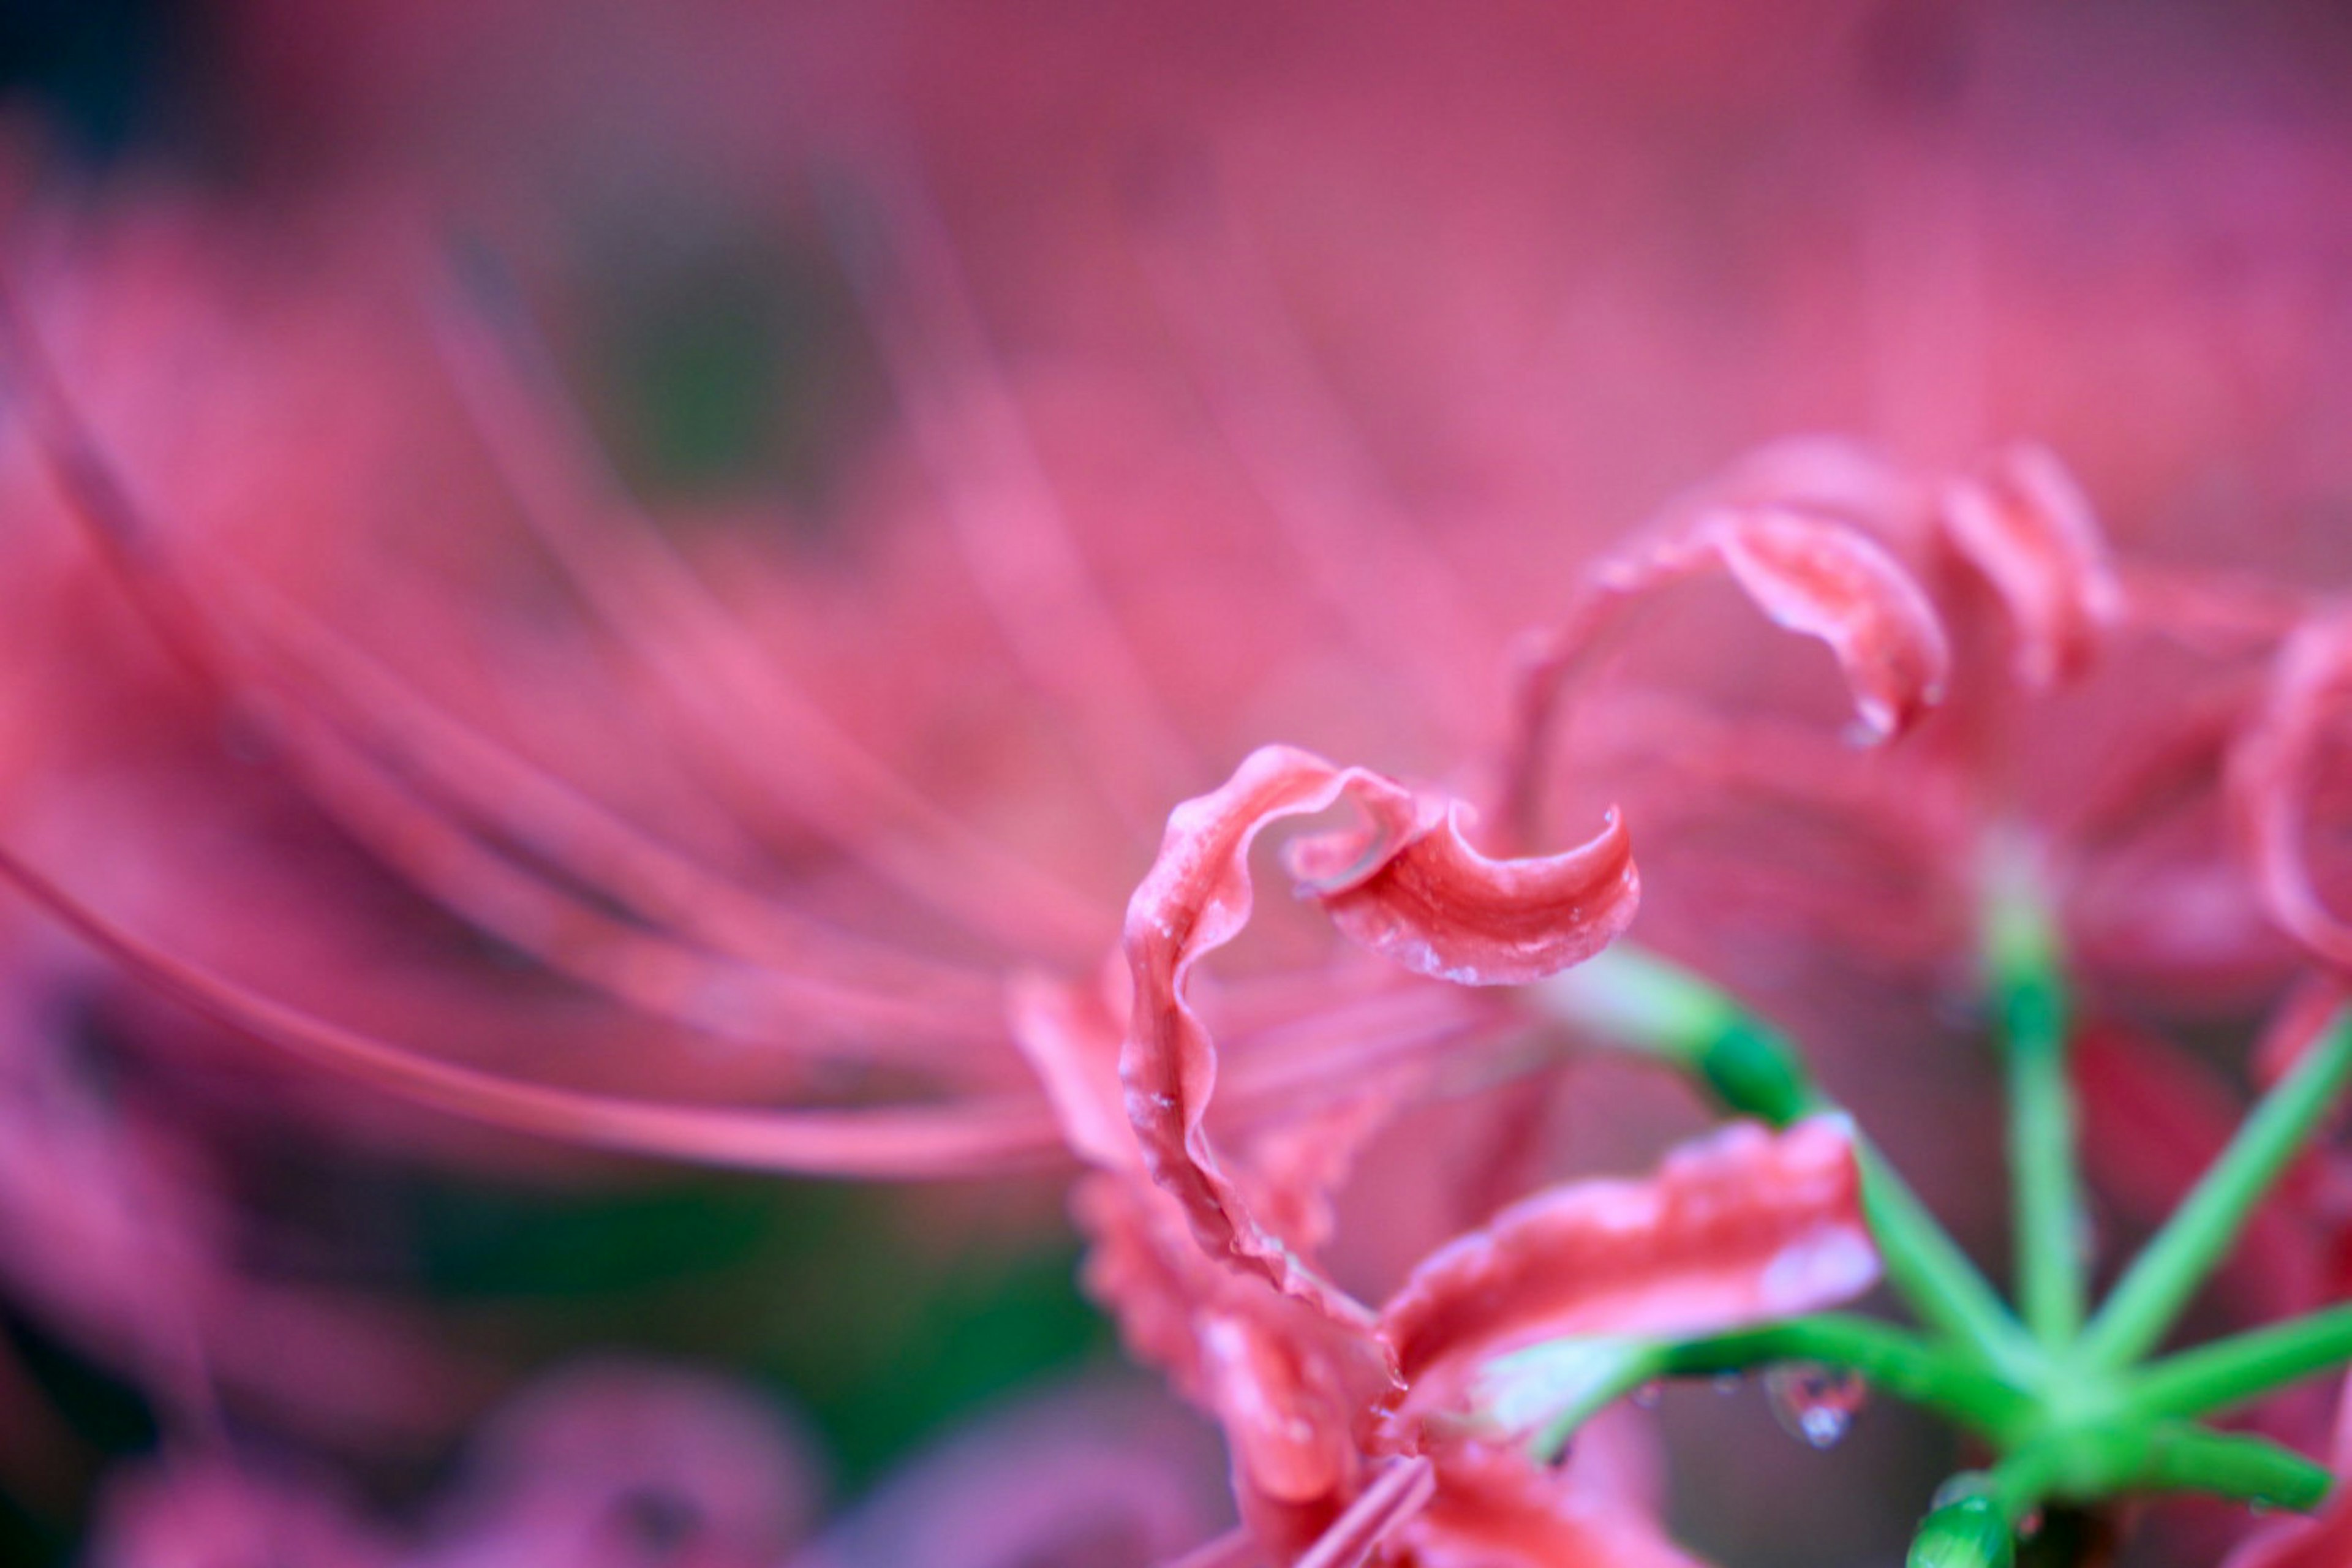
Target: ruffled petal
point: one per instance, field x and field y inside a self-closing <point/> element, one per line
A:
<point x="1292" y="1390"/>
<point x="1737" y="1228"/>
<point x="1404" y="883"/>
<point x="2029" y="529"/>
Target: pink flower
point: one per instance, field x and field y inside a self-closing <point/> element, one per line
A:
<point x="1251" y="385"/>
<point x="1348" y="1427"/>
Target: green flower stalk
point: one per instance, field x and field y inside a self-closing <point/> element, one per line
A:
<point x="2065" y="1398"/>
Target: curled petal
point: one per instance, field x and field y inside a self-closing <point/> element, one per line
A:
<point x="1811" y="575"/>
<point x="1438" y="906"/>
<point x="1825" y="580"/>
<point x="2271" y="778"/>
<point x="1827" y="476"/>
<point x="2027" y="526"/>
<point x="1740" y="1227"/>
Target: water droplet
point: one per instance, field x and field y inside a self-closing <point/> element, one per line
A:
<point x="1814" y="1403"/>
<point x="1726" y="1383"/>
<point x="1647" y="1396"/>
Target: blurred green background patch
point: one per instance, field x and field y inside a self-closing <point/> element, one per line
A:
<point x="879" y="1330"/>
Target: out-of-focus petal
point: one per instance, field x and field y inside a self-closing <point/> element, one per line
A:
<point x="1078" y="1475"/>
<point x="1812" y="574"/>
<point x="1438" y="907"/>
<point x="2026" y="525"/>
<point x="2271" y="778"/>
<point x="1824" y="580"/>
<point x="2154" y="1118"/>
<point x="2296" y="1025"/>
<point x="914" y="1142"/>
<point x="1831" y="476"/>
<point x="1071" y="1037"/>
<point x="1739" y="1226"/>
<point x="213" y="1509"/>
<point x="595" y="1463"/>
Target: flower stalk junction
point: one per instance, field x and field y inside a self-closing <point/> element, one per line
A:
<point x="2070" y="1401"/>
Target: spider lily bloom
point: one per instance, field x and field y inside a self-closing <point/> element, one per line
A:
<point x="2123" y="846"/>
<point x="1352" y="1429"/>
<point x="1348" y="1427"/>
<point x="809" y="890"/>
<point x="445" y="803"/>
<point x="676" y="928"/>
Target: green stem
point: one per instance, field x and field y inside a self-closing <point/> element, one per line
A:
<point x="1891" y="1359"/>
<point x="2088" y="1465"/>
<point x="2046" y="1204"/>
<point x="1931" y="1273"/>
<point x="2216" y="1377"/>
<point x="2181" y="1458"/>
<point x="1672" y="1015"/>
<point x="1577" y="1378"/>
<point x="2045" y="1199"/>
<point x="2160" y="1282"/>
